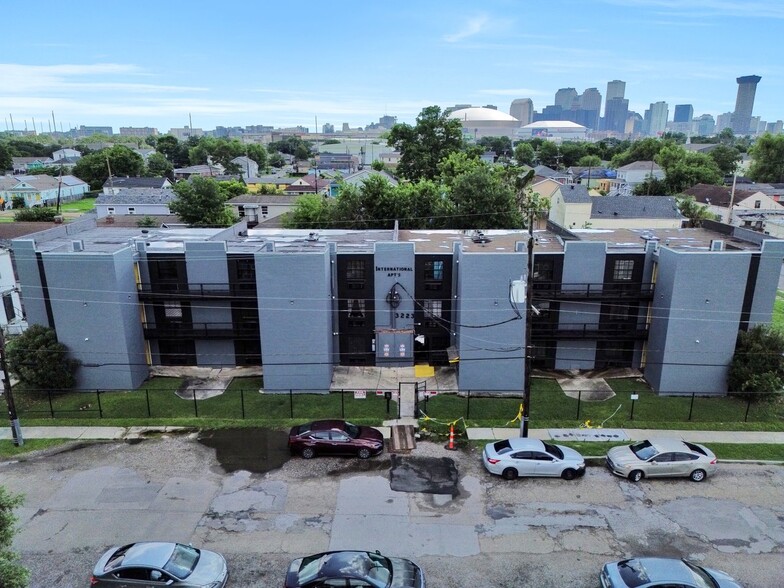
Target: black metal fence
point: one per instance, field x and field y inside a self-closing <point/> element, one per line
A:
<point x="497" y="407"/>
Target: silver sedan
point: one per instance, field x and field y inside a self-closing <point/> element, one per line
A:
<point x="660" y="572"/>
<point x="658" y="458"/>
<point x="515" y="457"/>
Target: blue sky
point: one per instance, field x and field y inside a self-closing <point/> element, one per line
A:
<point x="145" y="63"/>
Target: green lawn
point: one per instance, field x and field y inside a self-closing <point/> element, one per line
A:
<point x="8" y="449"/>
<point x="83" y="205"/>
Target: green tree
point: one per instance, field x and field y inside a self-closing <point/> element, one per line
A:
<point x="644" y="150"/>
<point x="18" y="202"/>
<point x="424" y="145"/>
<point x="232" y="188"/>
<point x="548" y="154"/>
<point x="483" y="200"/>
<point x="276" y="160"/>
<point x="6" y="159"/>
<point x="684" y="169"/>
<point x="502" y="146"/>
<point x="589" y="161"/>
<point x="652" y="186"/>
<point x="158" y="166"/>
<point x="767" y="159"/>
<point x="39" y="360"/>
<point x="37" y="214"/>
<point x="258" y="154"/>
<point x="311" y="211"/>
<point x="428" y="204"/>
<point x="524" y="154"/>
<point x="726" y="137"/>
<point x="456" y="164"/>
<point x="693" y="210"/>
<point x="147" y="222"/>
<point x="758" y="363"/>
<point x="93" y="168"/>
<point x="571" y="152"/>
<point x="726" y="157"/>
<point x="200" y="202"/>
<point x="12" y="573"/>
<point x="170" y="147"/>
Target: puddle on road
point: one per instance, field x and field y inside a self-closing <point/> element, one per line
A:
<point x="255" y="450"/>
<point x="432" y="475"/>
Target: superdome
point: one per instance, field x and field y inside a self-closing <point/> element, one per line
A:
<point x="553" y="129"/>
<point x="481" y="122"/>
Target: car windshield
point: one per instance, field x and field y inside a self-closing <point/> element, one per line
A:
<point x="633" y="573"/>
<point x="700" y="576"/>
<point x="553" y="450"/>
<point x="182" y="561"/>
<point x="502" y="447"/>
<point x="309" y="569"/>
<point x="380" y="571"/>
<point x="643" y="450"/>
<point x="352" y="430"/>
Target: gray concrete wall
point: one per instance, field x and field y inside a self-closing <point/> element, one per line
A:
<point x="695" y="320"/>
<point x="30" y="282"/>
<point x="394" y="269"/>
<point x="767" y="282"/>
<point x="491" y="357"/>
<point x="96" y="313"/>
<point x="295" y="315"/>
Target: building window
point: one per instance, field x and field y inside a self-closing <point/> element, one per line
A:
<point x="264" y="210"/>
<point x="544" y="269"/>
<point x="131" y="210"/>
<point x="618" y="313"/>
<point x="758" y="204"/>
<point x="432" y="310"/>
<point x="172" y="310"/>
<point x="623" y="270"/>
<point x="246" y="270"/>
<point x="110" y="210"/>
<point x="241" y="211"/>
<point x="434" y="270"/>
<point x="355" y="273"/>
<point x="356" y="312"/>
<point x="8" y="304"/>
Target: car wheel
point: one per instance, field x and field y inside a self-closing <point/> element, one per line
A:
<point x="636" y="476"/>
<point x="568" y="474"/>
<point x="509" y="474"/>
<point x="364" y="453"/>
<point x="697" y="475"/>
<point x="308" y="453"/>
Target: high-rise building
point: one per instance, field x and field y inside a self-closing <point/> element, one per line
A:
<point x="327" y="128"/>
<point x="615" y="89"/>
<point x="566" y="98"/>
<point x="724" y="121"/>
<point x="704" y="125"/>
<point x="590" y="107"/>
<point x="523" y="110"/>
<point x="683" y="113"/>
<point x="656" y="118"/>
<point x="744" y="104"/>
<point x="616" y="111"/>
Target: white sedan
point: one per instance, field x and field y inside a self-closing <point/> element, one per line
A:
<point x="519" y="456"/>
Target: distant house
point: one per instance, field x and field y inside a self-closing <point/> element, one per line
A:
<point x="66" y="153"/>
<point x="342" y="161"/>
<point x="248" y="167"/>
<point x="145" y="152"/>
<point x="135" y="201"/>
<point x="631" y="175"/>
<point x="22" y="165"/>
<point x="205" y="171"/>
<point x="114" y="185"/>
<point x="750" y="207"/>
<point x="41" y="190"/>
<point x="545" y="187"/>
<point x="572" y="207"/>
<point x="261" y="208"/>
<point x="358" y="178"/>
<point x="542" y="172"/>
<point x="310" y="184"/>
<point x="268" y="183"/>
<point x="390" y="158"/>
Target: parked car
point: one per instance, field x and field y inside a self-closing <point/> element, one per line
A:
<point x="357" y="568"/>
<point x="335" y="438"/>
<point x="656" y="458"/>
<point x="153" y="563"/>
<point x="519" y="456"/>
<point x="647" y="572"/>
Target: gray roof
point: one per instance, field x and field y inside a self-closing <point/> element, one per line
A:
<point x="138" y="196"/>
<point x="575" y="194"/>
<point x="547" y="172"/>
<point x="264" y="199"/>
<point x="270" y="180"/>
<point x="136" y="182"/>
<point x="366" y="174"/>
<point x="635" y="207"/>
<point x="640" y="165"/>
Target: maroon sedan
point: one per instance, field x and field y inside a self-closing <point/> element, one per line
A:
<point x="335" y="438"/>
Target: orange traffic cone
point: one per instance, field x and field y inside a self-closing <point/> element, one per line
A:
<point x="451" y="444"/>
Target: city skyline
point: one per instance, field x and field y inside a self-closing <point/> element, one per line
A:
<point x="164" y="64"/>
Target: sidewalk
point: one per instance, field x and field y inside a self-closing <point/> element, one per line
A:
<point x="476" y="434"/>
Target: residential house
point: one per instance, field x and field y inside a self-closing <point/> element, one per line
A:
<point x="12" y="319"/>
<point x="41" y="190"/>
<point x="248" y="167"/>
<point x="268" y="183"/>
<point x="542" y="172"/>
<point x="390" y="158"/>
<point x="135" y="201"/>
<point x="205" y="171"/>
<point x="258" y="209"/>
<point x="342" y="161"/>
<point x="113" y="185"/>
<point x="22" y="165"/>
<point x="310" y="184"/>
<point x="356" y="179"/>
<point x="144" y="152"/>
<point x="66" y="153"/>
<point x="750" y="207"/>
<point x="633" y="174"/>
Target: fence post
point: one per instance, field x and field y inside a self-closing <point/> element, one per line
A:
<point x="468" y="404"/>
<point x="748" y="406"/>
<point x="147" y="394"/>
<point x="691" y="406"/>
<point x="342" y="404"/>
<point x="100" y="409"/>
<point x="631" y="414"/>
<point x="291" y="402"/>
<point x="51" y="408"/>
<point x="195" y="405"/>
<point x="242" y="402"/>
<point x="579" y="400"/>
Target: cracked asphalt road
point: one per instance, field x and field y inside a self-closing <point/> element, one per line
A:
<point x="490" y="532"/>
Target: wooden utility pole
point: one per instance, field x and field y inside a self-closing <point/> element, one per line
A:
<point x="16" y="430"/>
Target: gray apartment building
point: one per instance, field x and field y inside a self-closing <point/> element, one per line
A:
<point x="299" y="303"/>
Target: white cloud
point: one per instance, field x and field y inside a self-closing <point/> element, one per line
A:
<point x="472" y="27"/>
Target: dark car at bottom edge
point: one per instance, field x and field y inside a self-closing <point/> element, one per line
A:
<point x="354" y="568"/>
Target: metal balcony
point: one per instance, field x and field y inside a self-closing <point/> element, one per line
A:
<point x="594" y="291"/>
<point x="176" y="290"/>
<point x="201" y="331"/>
<point x="599" y="332"/>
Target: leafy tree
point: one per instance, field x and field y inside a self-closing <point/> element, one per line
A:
<point x="589" y="161"/>
<point x="200" y="202"/>
<point x="726" y="137"/>
<point x="483" y="200"/>
<point x="424" y="145"/>
<point x="146" y="221"/>
<point x="18" y="202"/>
<point x="644" y="150"/>
<point x="429" y="205"/>
<point x="571" y="152"/>
<point x="377" y="165"/>
<point x="693" y="210"/>
<point x="258" y="154"/>
<point x="675" y="137"/>
<point x="457" y="164"/>
<point x="295" y="146"/>
<point x="758" y="363"/>
<point x="39" y="360"/>
<point x="311" y="211"/>
<point x="684" y="169"/>
<point x="232" y="188"/>
<point x="6" y="159"/>
<point x="500" y="145"/>
<point x="12" y="573"/>
<point x="173" y="150"/>
<point x="524" y="154"/>
<point x="198" y="154"/>
<point x="158" y="166"/>
<point x="767" y="155"/>
<point x="276" y="160"/>
<point x="651" y="186"/>
<point x="726" y="158"/>
<point x="93" y="169"/>
<point x="37" y="214"/>
<point x="548" y="154"/>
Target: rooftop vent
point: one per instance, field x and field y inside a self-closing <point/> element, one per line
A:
<point x="78" y="245"/>
<point x="313" y="237"/>
<point x="480" y="237"/>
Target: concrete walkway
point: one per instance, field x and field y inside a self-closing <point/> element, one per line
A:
<point x="476" y="434"/>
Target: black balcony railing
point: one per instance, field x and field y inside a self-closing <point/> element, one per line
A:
<point x="201" y="330"/>
<point x="604" y="331"/>
<point x="164" y="290"/>
<point x="585" y="291"/>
